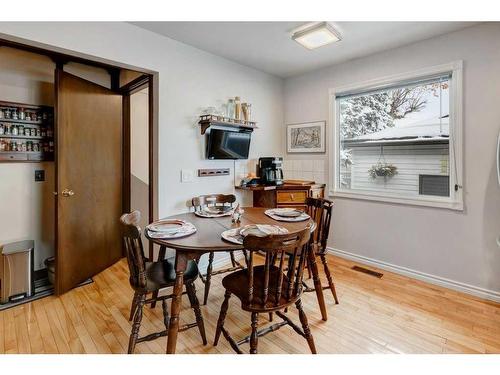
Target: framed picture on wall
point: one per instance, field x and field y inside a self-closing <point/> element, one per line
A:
<point x="306" y="137"/>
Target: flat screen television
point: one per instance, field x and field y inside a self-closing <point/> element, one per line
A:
<point x="227" y="144"/>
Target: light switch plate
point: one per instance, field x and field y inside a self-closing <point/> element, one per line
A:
<point x="187" y="175"/>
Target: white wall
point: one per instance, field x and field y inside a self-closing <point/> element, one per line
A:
<point x="139" y="138"/>
<point x="189" y="80"/>
<point x="460" y="246"/>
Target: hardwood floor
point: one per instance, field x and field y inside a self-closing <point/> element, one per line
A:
<point x="394" y="314"/>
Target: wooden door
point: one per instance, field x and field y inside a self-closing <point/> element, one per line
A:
<point x="89" y="178"/>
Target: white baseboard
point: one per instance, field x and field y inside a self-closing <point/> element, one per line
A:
<point x="432" y="279"/>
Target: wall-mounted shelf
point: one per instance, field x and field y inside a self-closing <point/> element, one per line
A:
<point x="23" y="140"/>
<point x="24" y="122"/>
<point x="25" y="156"/>
<point x="210" y="120"/>
<point x="21" y="136"/>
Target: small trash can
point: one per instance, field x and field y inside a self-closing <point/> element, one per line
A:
<point x="16" y="270"/>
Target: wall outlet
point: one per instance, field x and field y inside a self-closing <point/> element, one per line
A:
<point x="39" y="175"/>
<point x="187" y="175"/>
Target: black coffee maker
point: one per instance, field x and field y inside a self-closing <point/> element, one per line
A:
<point x="270" y="171"/>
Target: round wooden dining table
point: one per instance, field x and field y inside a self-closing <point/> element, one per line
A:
<point x="208" y="238"/>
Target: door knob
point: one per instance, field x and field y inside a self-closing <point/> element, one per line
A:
<point x="67" y="193"/>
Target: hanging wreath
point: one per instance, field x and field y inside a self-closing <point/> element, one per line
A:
<point x="382" y="170"/>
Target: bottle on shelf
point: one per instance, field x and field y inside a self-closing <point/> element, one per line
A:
<point x="230" y="108"/>
<point x="246" y="109"/>
<point x="237" y="108"/>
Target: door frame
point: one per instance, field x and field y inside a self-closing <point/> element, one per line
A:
<point x="60" y="56"/>
<point x="136" y="85"/>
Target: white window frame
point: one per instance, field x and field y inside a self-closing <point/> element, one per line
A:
<point x="455" y="200"/>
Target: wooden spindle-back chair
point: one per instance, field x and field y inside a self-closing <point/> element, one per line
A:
<point x="149" y="277"/>
<point x="269" y="288"/>
<point x="320" y="211"/>
<point x="206" y="201"/>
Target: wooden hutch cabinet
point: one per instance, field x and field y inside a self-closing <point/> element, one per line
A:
<point x="287" y="195"/>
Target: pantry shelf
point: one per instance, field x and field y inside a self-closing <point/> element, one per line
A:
<point x="23" y="139"/>
<point x="22" y="136"/>
<point x="24" y="122"/>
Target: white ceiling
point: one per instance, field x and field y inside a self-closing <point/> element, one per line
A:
<point x="268" y="46"/>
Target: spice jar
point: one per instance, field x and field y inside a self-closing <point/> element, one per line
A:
<point x="36" y="146"/>
<point x="14" y="114"/>
<point x="6" y="113"/>
<point x="38" y="132"/>
<point x="2" y="129"/>
<point x="29" y="146"/>
<point x="28" y="116"/>
<point x="14" y="130"/>
<point x="20" y="129"/>
<point x="22" y="114"/>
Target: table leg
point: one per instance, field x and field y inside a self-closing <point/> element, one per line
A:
<point x="317" y="285"/>
<point x="161" y="253"/>
<point x="181" y="260"/>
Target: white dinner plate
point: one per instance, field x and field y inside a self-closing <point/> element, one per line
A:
<point x="273" y="215"/>
<point x="236" y="235"/>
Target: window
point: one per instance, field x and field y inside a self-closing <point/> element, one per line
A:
<point x="399" y="139"/>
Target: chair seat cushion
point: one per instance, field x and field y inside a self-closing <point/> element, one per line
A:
<point x="162" y="274"/>
<point x="237" y="283"/>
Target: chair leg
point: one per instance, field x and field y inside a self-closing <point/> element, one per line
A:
<point x="329" y="278"/>
<point x="305" y="326"/>
<point x="253" y="336"/>
<point x="222" y="317"/>
<point x="137" y="324"/>
<point x="195" y="304"/>
<point x="155" y="295"/>
<point x="208" y="277"/>
<point x="166" y="318"/>
<point x="233" y="261"/>
<point x="308" y="266"/>
<point x="134" y="306"/>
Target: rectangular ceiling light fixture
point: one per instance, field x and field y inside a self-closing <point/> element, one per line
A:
<point x="316" y="35"/>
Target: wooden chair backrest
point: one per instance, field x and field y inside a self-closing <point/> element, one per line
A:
<point x="320" y="211"/>
<point x="213" y="200"/>
<point x="134" y="249"/>
<point x="291" y="248"/>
